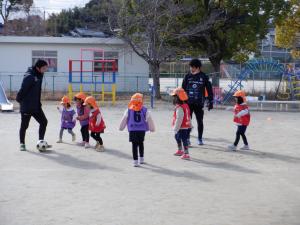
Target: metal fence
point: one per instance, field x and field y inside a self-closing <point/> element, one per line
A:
<point x="58" y="83"/>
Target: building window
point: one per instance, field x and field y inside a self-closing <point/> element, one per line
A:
<point x="49" y="56"/>
<point x="107" y="56"/>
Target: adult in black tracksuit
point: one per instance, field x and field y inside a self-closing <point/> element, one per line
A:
<point x="29" y="97"/>
<point x="195" y="83"/>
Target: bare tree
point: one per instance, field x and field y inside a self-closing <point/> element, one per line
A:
<point x="148" y="27"/>
<point x="9" y="6"/>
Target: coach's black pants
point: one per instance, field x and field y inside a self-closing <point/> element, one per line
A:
<point x="25" y="119"/>
<point x="198" y="110"/>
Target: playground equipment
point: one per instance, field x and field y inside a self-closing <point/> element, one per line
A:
<point x="99" y="74"/>
<point x="250" y="67"/>
<point x="289" y="85"/>
<point x="5" y="104"/>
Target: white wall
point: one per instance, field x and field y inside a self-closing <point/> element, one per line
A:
<point x="15" y="58"/>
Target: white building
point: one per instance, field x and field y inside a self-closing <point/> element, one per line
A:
<point x="19" y="53"/>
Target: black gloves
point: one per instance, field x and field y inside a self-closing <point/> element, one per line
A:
<point x="210" y="105"/>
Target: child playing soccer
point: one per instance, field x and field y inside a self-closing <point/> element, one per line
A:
<point x="242" y="120"/>
<point x="138" y="121"/>
<point x="181" y="122"/>
<point x="68" y="118"/>
<point x="96" y="122"/>
<point x="83" y="117"/>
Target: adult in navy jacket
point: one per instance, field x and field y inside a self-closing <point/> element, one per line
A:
<point x="29" y="97"/>
<point x="199" y="90"/>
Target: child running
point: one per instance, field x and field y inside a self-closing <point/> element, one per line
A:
<point x="181" y="122"/>
<point x="242" y="120"/>
<point x="138" y="121"/>
<point x="96" y="122"/>
<point x="83" y="117"/>
<point x="68" y="118"/>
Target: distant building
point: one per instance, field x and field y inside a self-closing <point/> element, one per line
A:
<point x="83" y="32"/>
<point x="18" y="53"/>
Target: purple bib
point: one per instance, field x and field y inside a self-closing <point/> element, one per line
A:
<point x="80" y="112"/>
<point x="67" y="119"/>
<point x="137" y="120"/>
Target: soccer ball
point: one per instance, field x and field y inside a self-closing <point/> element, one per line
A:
<point x="41" y="145"/>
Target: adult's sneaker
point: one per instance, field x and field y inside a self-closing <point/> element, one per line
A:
<point x="200" y="142"/>
<point x="23" y="147"/>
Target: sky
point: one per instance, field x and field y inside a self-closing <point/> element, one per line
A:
<point x="51" y="6"/>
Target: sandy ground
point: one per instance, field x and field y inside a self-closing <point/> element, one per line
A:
<point x="71" y="185"/>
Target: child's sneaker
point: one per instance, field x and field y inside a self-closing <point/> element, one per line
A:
<point x="185" y="157"/>
<point x="232" y="147"/>
<point x="97" y="145"/>
<point x="81" y="143"/>
<point x="59" y="141"/>
<point x="100" y="148"/>
<point x="23" y="147"/>
<point x="87" y="145"/>
<point x="245" y="147"/>
<point x="179" y="153"/>
<point x="136" y="163"/>
<point x="74" y="137"/>
<point x="142" y="160"/>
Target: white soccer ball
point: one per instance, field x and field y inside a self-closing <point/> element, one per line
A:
<point x="42" y="145"/>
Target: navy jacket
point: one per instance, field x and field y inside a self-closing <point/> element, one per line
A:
<point x="29" y="96"/>
<point x="195" y="85"/>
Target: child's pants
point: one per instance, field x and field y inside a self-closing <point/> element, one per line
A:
<point x="182" y="137"/>
<point x="241" y="130"/>
<point x="85" y="133"/>
<point x="137" y="147"/>
<point x="62" y="131"/>
<point x="96" y="136"/>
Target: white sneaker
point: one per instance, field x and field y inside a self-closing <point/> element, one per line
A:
<point x="142" y="160"/>
<point x="73" y="137"/>
<point x="81" y="143"/>
<point x="245" y="147"/>
<point x="59" y="141"/>
<point x="136" y="163"/>
<point x="87" y="145"/>
<point x="232" y="147"/>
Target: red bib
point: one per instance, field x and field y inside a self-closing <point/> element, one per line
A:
<point x="92" y="122"/>
<point x="186" y="122"/>
<point x="244" y="120"/>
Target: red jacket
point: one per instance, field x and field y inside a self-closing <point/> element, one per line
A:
<point x="186" y="122"/>
<point x="244" y="119"/>
<point x="93" y="120"/>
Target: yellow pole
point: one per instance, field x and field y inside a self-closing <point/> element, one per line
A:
<point x="103" y="93"/>
<point x="81" y="88"/>
<point x="70" y="91"/>
<point x="113" y="93"/>
<point x="92" y="90"/>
